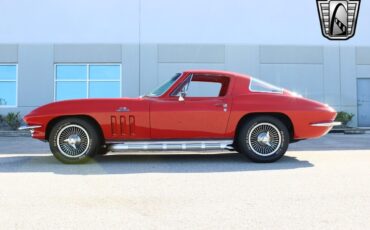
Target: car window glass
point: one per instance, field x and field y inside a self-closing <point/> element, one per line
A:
<point x="203" y="86"/>
<point x="164" y="87"/>
<point x="257" y="85"/>
<point x="204" y="89"/>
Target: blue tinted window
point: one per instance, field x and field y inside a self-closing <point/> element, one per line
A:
<point x="100" y="81"/>
<point x="71" y="72"/>
<point x="8" y="93"/>
<point x="105" y="72"/>
<point x="8" y="72"/>
<point x="8" y="85"/>
<point x="104" y="89"/>
<point x="70" y="90"/>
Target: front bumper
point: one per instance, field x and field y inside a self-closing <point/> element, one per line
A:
<point x="326" y="124"/>
<point x="31" y="128"/>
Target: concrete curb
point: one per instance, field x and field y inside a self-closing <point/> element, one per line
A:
<point x="350" y="130"/>
<point x="14" y="133"/>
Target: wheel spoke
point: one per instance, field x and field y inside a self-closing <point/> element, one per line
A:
<point x="73" y="141"/>
<point x="264" y="139"/>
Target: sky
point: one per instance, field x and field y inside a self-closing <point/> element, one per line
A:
<point x="170" y="21"/>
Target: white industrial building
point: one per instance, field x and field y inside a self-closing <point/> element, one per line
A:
<point x="56" y="50"/>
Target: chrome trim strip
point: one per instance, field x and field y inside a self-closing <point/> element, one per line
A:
<point x="326" y="124"/>
<point x="29" y="127"/>
<point x="171" y="145"/>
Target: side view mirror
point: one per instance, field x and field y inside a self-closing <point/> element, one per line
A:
<point x="182" y="96"/>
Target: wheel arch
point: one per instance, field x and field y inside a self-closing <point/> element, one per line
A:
<point x="88" y="118"/>
<point x="281" y="116"/>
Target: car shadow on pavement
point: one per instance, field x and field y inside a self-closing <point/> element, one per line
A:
<point x="134" y="164"/>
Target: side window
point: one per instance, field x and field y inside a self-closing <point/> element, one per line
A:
<point x="204" y="89"/>
<point x="257" y="85"/>
<point x="204" y="86"/>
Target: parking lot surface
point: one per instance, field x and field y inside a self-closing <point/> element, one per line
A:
<point x="319" y="184"/>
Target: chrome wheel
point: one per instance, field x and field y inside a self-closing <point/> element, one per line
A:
<point x="264" y="139"/>
<point x="73" y="141"/>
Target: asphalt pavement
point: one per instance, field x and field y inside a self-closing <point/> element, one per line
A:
<point x="319" y="184"/>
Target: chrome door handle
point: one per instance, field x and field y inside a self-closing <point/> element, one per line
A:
<point x="123" y="109"/>
<point x="223" y="105"/>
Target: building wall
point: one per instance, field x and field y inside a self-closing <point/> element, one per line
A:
<point x="283" y="22"/>
<point x="277" y="41"/>
<point x="324" y="73"/>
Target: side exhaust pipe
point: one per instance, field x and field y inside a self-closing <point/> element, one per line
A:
<point x="171" y="145"/>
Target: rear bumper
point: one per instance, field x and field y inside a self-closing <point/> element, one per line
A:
<point x="326" y="124"/>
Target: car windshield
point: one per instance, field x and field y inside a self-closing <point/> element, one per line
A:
<point x="164" y="87"/>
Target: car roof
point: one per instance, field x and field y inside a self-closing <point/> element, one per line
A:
<point x="218" y="72"/>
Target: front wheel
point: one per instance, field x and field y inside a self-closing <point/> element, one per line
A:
<point x="74" y="140"/>
<point x="263" y="139"/>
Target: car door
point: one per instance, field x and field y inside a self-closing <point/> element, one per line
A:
<point x="202" y="114"/>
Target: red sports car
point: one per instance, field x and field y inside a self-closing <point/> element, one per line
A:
<point x="195" y="110"/>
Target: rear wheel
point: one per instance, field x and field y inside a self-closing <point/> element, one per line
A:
<point x="74" y="140"/>
<point x="263" y="139"/>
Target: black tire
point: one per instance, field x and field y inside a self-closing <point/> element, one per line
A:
<point x="74" y="140"/>
<point x="263" y="139"/>
<point x="103" y="150"/>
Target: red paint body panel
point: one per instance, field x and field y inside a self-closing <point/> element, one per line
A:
<point x="193" y="118"/>
<point x="115" y="125"/>
<point x="165" y="117"/>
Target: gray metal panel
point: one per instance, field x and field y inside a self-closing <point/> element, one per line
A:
<point x="348" y="80"/>
<point x="298" y="78"/>
<point x="291" y="54"/>
<point x="363" y="71"/>
<point x="189" y="53"/>
<point x="8" y="53"/>
<point x="348" y="76"/>
<point x="242" y="59"/>
<point x="35" y="75"/>
<point x="363" y="55"/>
<point x="91" y="53"/>
<point x="332" y="79"/>
<point x="148" y="67"/>
<point x="130" y="70"/>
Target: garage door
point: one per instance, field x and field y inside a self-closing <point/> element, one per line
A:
<point x="363" y="102"/>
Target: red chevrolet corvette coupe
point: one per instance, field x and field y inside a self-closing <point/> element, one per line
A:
<point x="195" y="110"/>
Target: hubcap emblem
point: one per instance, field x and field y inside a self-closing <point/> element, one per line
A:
<point x="73" y="140"/>
<point x="264" y="138"/>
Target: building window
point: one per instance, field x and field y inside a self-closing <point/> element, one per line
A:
<point x="87" y="81"/>
<point x="8" y="85"/>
